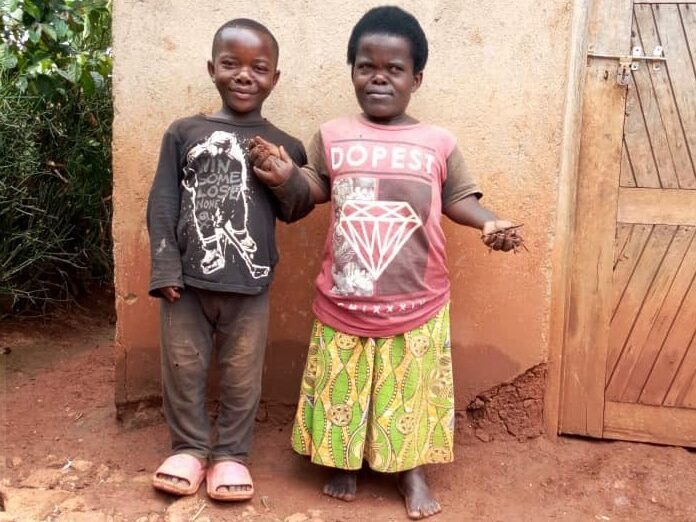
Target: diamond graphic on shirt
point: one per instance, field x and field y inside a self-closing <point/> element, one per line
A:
<point x="377" y="230"/>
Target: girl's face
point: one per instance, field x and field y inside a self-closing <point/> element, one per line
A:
<point x="383" y="78"/>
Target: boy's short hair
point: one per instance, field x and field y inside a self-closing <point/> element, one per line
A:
<point x="393" y="21"/>
<point x="246" y="23"/>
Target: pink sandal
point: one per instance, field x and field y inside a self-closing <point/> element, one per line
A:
<point x="181" y="466"/>
<point x="228" y="473"/>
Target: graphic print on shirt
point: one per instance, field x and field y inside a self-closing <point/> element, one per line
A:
<point x="216" y="179"/>
<point x="369" y="233"/>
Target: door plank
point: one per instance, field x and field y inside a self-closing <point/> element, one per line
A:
<point x="650" y="423"/>
<point x="689" y="400"/>
<point x="666" y="207"/>
<point x="671" y="354"/>
<point x="680" y="67"/>
<point x="626" y="262"/>
<point x="657" y="313"/>
<point x="623" y="236"/>
<point x="637" y="291"/>
<point x="658" y="143"/>
<point x="638" y="142"/>
<point x="679" y="340"/>
<point x="628" y="179"/>
<point x="662" y="88"/>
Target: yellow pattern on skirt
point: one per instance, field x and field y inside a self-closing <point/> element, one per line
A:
<point x="388" y="400"/>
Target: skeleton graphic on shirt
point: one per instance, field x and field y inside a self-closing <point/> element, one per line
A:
<point x="216" y="178"/>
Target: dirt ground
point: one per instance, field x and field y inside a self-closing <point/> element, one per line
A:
<point x="64" y="457"/>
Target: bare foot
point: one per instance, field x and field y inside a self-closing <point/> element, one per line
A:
<point x="342" y="485"/>
<point x="420" y="502"/>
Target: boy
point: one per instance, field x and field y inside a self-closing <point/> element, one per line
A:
<point x="211" y="225"/>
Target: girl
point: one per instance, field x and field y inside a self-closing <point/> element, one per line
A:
<point x="378" y="379"/>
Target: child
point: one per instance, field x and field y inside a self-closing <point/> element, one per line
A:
<point x="213" y="249"/>
<point x="378" y="379"/>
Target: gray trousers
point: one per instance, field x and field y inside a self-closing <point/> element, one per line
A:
<point x="191" y="328"/>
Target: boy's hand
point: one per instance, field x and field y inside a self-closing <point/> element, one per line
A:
<point x="272" y="164"/>
<point x="502" y="235"/>
<point x="171" y="293"/>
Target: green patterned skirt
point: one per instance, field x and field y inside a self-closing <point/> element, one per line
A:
<point x="387" y="400"/>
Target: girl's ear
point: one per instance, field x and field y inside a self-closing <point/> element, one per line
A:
<point x="417" y="80"/>
<point x="211" y="69"/>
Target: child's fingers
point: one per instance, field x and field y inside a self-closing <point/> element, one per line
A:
<point x="283" y="155"/>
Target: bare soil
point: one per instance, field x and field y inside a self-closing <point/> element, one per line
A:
<point x="65" y="457"/>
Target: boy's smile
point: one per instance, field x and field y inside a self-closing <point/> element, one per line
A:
<point x="243" y="70"/>
<point x="384" y="78"/>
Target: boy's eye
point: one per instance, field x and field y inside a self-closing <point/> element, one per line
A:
<point x="261" y="69"/>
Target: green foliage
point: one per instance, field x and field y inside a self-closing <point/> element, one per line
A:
<point x="55" y="150"/>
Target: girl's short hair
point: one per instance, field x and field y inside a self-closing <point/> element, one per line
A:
<point x="393" y="21"/>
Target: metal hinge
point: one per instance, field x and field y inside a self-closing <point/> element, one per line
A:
<point x="630" y="62"/>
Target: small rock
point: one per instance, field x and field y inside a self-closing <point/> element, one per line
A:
<point x="117" y="477"/>
<point x="73" y="504"/>
<point x="483" y="435"/>
<point x="251" y="511"/>
<point x="184" y="509"/>
<point x="653" y="500"/>
<point x="32" y="504"/>
<point x="103" y="472"/>
<point x="54" y="462"/>
<point x="142" y="479"/>
<point x="81" y="465"/>
<point x="89" y="516"/>
<point x="16" y="462"/>
<point x="43" y="478"/>
<point x="622" y="501"/>
<point x="296" y="517"/>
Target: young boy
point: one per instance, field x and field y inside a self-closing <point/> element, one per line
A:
<point x="378" y="383"/>
<point x="211" y="225"/>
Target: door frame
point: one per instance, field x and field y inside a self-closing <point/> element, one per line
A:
<point x="591" y="158"/>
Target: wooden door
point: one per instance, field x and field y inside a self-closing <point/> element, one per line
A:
<point x="630" y="351"/>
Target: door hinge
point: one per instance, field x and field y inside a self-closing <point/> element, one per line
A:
<point x="628" y="63"/>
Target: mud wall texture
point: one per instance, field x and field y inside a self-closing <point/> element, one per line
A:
<point x="496" y="78"/>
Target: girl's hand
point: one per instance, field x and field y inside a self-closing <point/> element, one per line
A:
<point x="502" y="235"/>
<point x="272" y="164"/>
<point x="171" y="293"/>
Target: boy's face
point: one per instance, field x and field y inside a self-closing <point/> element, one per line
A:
<point x="383" y="77"/>
<point x="244" y="68"/>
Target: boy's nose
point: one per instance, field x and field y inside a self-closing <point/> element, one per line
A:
<point x="243" y="76"/>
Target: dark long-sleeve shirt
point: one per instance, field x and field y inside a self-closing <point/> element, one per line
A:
<point x="211" y="221"/>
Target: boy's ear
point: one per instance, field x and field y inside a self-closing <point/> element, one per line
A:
<point x="417" y="80"/>
<point x="211" y="69"/>
<point x="276" y="77"/>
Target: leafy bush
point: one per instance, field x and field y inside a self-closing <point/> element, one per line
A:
<point x="55" y="142"/>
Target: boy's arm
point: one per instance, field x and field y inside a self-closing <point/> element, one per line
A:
<point x="460" y="203"/>
<point x="292" y="194"/>
<point x="162" y="217"/>
<point x="274" y="168"/>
